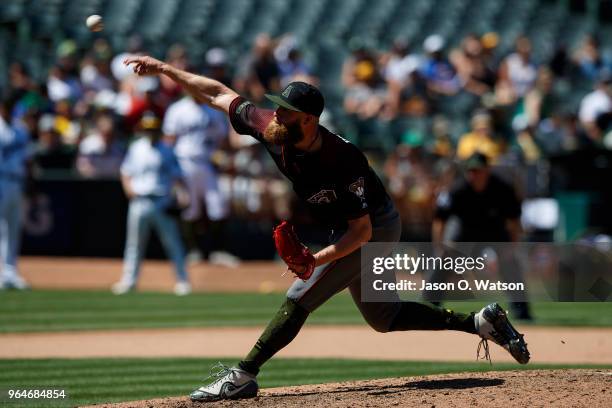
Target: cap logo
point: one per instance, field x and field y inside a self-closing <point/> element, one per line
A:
<point x="287" y="91"/>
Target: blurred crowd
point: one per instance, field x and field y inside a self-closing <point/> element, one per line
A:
<point x="83" y="117"/>
<point x="516" y="110"/>
<point x="451" y="102"/>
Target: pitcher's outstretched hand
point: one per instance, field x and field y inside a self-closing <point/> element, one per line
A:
<point x="144" y="65"/>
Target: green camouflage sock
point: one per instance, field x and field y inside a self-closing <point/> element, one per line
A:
<point x="281" y="330"/>
<point x="425" y="316"/>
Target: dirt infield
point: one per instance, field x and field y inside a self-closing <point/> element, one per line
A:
<point x="88" y="273"/>
<point x="547" y="344"/>
<point x="557" y="388"/>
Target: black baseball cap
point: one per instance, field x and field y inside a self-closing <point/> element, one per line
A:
<point x="476" y="161"/>
<point x="300" y="97"/>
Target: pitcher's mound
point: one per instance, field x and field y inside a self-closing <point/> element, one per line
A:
<point x="538" y="388"/>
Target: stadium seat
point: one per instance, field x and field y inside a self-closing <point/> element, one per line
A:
<point x="155" y="18"/>
<point x="12" y="11"/>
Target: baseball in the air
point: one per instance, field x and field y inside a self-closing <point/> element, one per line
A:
<point x="94" y="23"/>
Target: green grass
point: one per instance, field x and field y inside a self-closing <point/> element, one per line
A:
<point x="107" y="380"/>
<point x="48" y="310"/>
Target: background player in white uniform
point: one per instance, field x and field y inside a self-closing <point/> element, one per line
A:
<point x="149" y="173"/>
<point x="196" y="131"/>
<point x="14" y="142"/>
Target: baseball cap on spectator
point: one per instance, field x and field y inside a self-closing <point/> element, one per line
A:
<point x="412" y="138"/>
<point x="216" y="57"/>
<point x="489" y="40"/>
<point x="433" y="43"/>
<point x="365" y="70"/>
<point x="66" y="48"/>
<point x="476" y="161"/>
<point x="46" y="123"/>
<point x="149" y="121"/>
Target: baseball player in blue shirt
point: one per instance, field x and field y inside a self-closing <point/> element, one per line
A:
<point x="14" y="143"/>
<point x="149" y="174"/>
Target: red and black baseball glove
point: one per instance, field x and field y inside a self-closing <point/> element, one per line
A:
<point x="295" y="254"/>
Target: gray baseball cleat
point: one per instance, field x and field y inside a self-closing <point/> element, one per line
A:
<point x="226" y="383"/>
<point x="492" y="324"/>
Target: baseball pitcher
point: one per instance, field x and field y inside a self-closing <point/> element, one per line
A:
<point x="334" y="180"/>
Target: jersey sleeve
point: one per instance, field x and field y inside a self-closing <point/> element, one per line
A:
<point x="247" y="119"/>
<point x="353" y="195"/>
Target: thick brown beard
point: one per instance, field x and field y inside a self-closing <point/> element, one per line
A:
<point x="279" y="134"/>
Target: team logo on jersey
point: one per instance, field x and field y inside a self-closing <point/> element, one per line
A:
<point x="323" y="197"/>
<point x="241" y="107"/>
<point x="358" y="188"/>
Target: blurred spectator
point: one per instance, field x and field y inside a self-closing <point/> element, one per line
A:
<point x="401" y="74"/>
<point x="529" y="150"/>
<point x="411" y="180"/>
<point x="292" y="67"/>
<point x="517" y="73"/>
<point x="50" y="152"/>
<point x="589" y="59"/>
<point x="365" y="90"/>
<point x="68" y="128"/>
<point x="118" y="68"/>
<point x="558" y="134"/>
<point x="442" y="145"/>
<point x="489" y="42"/>
<point x="475" y="75"/>
<point x="60" y="86"/>
<point x="261" y="73"/>
<point x="541" y="102"/>
<point x="440" y="74"/>
<point x="596" y="108"/>
<point x="95" y="73"/>
<point x="100" y="153"/>
<point x="481" y="139"/>
<point x="169" y="90"/>
<point x="560" y="63"/>
<point x="20" y="82"/>
<point x="138" y="95"/>
<point x="63" y="82"/>
<point x="216" y="65"/>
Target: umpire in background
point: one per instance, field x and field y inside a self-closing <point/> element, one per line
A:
<point x="481" y="208"/>
<point x="149" y="175"/>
